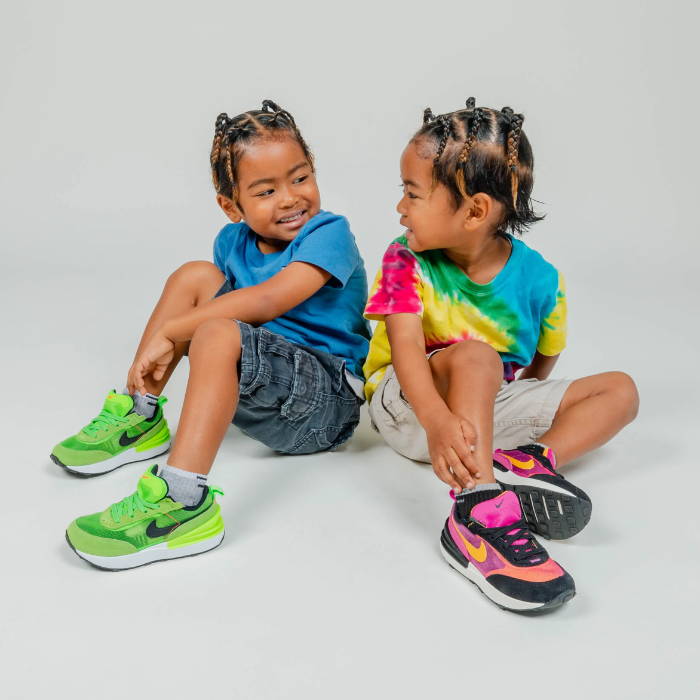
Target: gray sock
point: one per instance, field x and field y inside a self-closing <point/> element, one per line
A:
<point x="144" y="404"/>
<point x="183" y="486"/>
<point x="481" y="487"/>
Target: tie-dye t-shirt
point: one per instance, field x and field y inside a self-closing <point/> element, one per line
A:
<point x="520" y="311"/>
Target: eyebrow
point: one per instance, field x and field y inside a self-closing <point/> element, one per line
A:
<point x="410" y="183"/>
<point x="262" y="180"/>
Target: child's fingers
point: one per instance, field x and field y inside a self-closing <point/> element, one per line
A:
<point x="466" y="457"/>
<point x="444" y="474"/>
<point x="459" y="469"/>
<point x="470" y="448"/>
<point x="468" y="432"/>
<point x="141" y="371"/>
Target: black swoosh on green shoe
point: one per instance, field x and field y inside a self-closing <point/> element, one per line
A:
<point x="125" y="440"/>
<point x="154" y="531"/>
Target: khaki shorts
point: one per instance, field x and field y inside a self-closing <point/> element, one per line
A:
<point x="523" y="412"/>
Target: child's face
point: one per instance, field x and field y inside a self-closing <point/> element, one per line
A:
<point x="276" y="187"/>
<point x="430" y="217"/>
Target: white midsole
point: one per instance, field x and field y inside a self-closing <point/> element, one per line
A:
<point x="157" y="552"/>
<point x="474" y="575"/>
<point x="126" y="457"/>
<point x="508" y="477"/>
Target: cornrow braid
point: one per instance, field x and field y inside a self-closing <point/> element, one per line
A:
<point x="232" y="134"/>
<point x="472" y="135"/>
<point x="479" y="149"/>
<point x="220" y="126"/>
<point x="512" y="148"/>
<point x="444" y="123"/>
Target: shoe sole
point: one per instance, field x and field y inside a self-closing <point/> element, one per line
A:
<point x="503" y="601"/>
<point x="108" y="465"/>
<point x="554" y="512"/>
<point x="149" y="555"/>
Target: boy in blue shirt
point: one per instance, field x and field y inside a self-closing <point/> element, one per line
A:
<point x="275" y="337"/>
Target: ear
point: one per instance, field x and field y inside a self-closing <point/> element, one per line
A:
<point x="478" y="210"/>
<point x="230" y="208"/>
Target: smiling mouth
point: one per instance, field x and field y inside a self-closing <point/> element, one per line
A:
<point x="292" y="217"/>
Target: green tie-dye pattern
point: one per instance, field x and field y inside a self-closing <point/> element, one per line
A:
<point x="451" y="287"/>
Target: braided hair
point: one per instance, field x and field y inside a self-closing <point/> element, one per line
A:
<point x="478" y="149"/>
<point x="232" y="134"/>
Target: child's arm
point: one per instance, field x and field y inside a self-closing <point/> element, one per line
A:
<point x="255" y="305"/>
<point x="449" y="437"/>
<point x="540" y="367"/>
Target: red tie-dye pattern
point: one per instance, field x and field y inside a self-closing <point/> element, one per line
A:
<point x="397" y="292"/>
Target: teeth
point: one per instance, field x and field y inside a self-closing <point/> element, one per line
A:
<point x="291" y="218"/>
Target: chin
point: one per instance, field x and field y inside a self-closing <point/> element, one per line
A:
<point x="414" y="245"/>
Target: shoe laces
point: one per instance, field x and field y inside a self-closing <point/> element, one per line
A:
<point x="519" y="542"/>
<point x="103" y="420"/>
<point x="130" y="505"/>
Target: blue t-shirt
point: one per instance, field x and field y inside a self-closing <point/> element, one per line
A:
<point x="331" y="320"/>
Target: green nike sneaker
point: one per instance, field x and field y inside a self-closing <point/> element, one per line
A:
<point x="147" y="526"/>
<point x="116" y="437"/>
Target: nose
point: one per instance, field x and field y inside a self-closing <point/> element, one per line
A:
<point x="401" y="206"/>
<point x="287" y="198"/>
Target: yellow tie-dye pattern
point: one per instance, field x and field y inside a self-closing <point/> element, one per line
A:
<point x="552" y="338"/>
<point x="457" y="321"/>
<point x="444" y="322"/>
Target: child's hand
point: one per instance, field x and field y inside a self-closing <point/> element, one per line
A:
<point x="451" y="442"/>
<point x="153" y="359"/>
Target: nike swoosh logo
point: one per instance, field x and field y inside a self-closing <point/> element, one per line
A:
<point x="530" y="464"/>
<point x="154" y="531"/>
<point x="478" y="553"/>
<point x="125" y="440"/>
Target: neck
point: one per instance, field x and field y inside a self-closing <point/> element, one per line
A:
<point x="481" y="259"/>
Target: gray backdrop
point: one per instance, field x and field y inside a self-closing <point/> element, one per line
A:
<point x="329" y="583"/>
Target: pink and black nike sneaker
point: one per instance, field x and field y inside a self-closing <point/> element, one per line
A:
<point x="494" y="549"/>
<point x="553" y="506"/>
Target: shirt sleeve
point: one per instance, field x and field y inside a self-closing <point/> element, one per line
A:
<point x="331" y="247"/>
<point x="221" y="249"/>
<point x="397" y="289"/>
<point x="552" y="338"/>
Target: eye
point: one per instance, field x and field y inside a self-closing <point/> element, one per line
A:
<point x="301" y="179"/>
<point x="265" y="193"/>
<point x="408" y="194"/>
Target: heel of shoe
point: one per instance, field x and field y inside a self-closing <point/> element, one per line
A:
<point x="208" y="530"/>
<point x="161" y="437"/>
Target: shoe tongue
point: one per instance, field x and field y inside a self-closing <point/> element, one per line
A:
<point x="499" y="511"/>
<point x="151" y="487"/>
<point x="118" y="404"/>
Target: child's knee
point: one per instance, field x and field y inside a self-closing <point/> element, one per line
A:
<point x="623" y="387"/>
<point x="215" y="336"/>
<point x="474" y="352"/>
<point x="195" y="273"/>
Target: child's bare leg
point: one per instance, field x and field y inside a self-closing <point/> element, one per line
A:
<point x="211" y="397"/>
<point x="468" y="376"/>
<point x="593" y="410"/>
<point x="189" y="286"/>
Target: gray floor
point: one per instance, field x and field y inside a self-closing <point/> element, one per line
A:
<point x="329" y="583"/>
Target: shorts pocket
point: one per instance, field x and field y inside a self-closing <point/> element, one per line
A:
<point x="305" y="390"/>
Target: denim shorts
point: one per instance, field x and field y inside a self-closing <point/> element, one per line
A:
<point x="292" y="398"/>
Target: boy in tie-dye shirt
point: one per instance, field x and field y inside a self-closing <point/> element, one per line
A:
<point x="522" y="310"/>
<point x="462" y="306"/>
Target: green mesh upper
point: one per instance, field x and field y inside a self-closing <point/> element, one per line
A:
<point x="121" y="528"/>
<point x="99" y="440"/>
